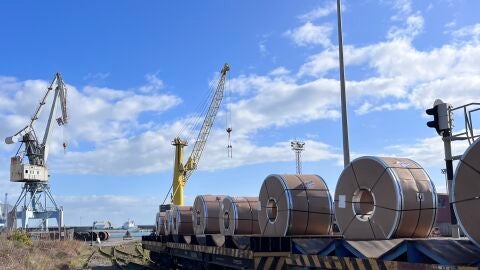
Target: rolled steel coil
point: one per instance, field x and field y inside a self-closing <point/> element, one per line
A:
<point x="168" y="222"/>
<point x="205" y="214"/>
<point x="102" y="236"/>
<point x="160" y="226"/>
<point x="383" y="198"/>
<point x="239" y="216"/>
<point x="295" y="205"/>
<point x="466" y="192"/>
<point x="182" y="220"/>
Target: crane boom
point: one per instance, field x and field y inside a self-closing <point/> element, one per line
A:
<point x="183" y="172"/>
<point x="60" y="92"/>
<point x="199" y="145"/>
<point x="37" y="150"/>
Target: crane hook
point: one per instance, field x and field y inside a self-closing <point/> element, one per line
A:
<point x="229" y="146"/>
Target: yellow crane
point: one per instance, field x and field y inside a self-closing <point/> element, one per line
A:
<point x="183" y="171"/>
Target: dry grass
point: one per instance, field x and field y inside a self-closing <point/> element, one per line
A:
<point x="41" y="254"/>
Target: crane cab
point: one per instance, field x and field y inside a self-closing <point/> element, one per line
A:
<point x="26" y="172"/>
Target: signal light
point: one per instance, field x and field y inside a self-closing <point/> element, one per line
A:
<point x="433" y="124"/>
<point x="441" y="116"/>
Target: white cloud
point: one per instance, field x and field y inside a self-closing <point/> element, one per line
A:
<point x="409" y="23"/>
<point x="456" y="90"/>
<point x="367" y="107"/>
<point x="100" y="76"/>
<point x="318" y="65"/>
<point x="412" y="27"/>
<point x="147" y="152"/>
<point x="469" y="33"/>
<point x="154" y="84"/>
<point x="428" y="152"/>
<point x="320" y="12"/>
<point x="280" y="102"/>
<point x="451" y="24"/>
<point x="311" y="34"/>
<point x="279" y="71"/>
<point x="397" y="69"/>
<point x="403" y="9"/>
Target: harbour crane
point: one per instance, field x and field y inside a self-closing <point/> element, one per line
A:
<point x="34" y="173"/>
<point x="182" y="172"/>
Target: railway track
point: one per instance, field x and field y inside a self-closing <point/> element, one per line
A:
<point x="87" y="263"/>
<point x="121" y="258"/>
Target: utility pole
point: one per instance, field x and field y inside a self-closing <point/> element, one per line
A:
<point x="298" y="147"/>
<point x="346" y="147"/>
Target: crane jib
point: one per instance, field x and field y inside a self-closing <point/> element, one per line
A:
<point x="37" y="151"/>
<point x="183" y="172"/>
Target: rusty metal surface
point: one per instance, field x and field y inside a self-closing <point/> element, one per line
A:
<point x="383" y="198"/>
<point x="466" y="192"/>
<point x="295" y="205"/>
<point x="239" y="216"/>
<point x="205" y="214"/>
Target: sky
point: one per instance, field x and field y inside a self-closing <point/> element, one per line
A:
<point x="137" y="75"/>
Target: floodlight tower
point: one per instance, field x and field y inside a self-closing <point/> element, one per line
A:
<point x="298" y="147"/>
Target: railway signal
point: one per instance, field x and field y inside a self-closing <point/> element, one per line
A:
<point x="442" y="120"/>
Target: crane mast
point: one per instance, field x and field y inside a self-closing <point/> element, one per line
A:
<point x="182" y="172"/>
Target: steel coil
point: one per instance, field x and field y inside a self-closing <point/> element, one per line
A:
<point x="182" y="220"/>
<point x="205" y="214"/>
<point x="466" y="192"/>
<point x="239" y="216"/>
<point x="383" y="198"/>
<point x="295" y="205"/>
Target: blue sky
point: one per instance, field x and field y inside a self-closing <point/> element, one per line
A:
<point x="136" y="73"/>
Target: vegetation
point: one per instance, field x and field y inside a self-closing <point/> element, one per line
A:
<point x="20" y="238"/>
<point x="18" y="251"/>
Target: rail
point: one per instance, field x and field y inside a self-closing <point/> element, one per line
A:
<point x="121" y="258"/>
